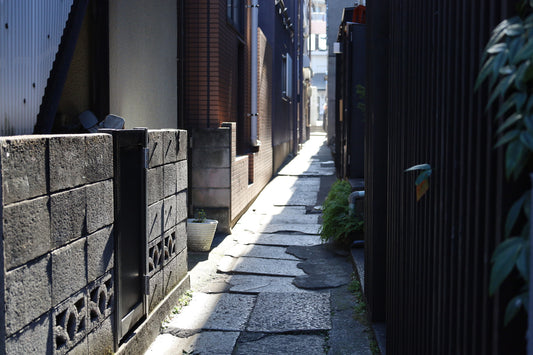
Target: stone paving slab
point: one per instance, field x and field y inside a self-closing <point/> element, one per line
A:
<point x="281" y="218"/>
<point x="201" y="343"/>
<point x="228" y="312"/>
<point x="279" y="239"/>
<point x="281" y="344"/>
<point x="259" y="266"/>
<point x="260" y="251"/>
<point x="302" y="228"/>
<point x="285" y="312"/>
<point x="257" y="283"/>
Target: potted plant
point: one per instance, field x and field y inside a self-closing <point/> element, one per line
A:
<point x="200" y="232"/>
<point x="341" y="225"/>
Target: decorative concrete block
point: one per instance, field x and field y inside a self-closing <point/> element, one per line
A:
<point x="155" y="148"/>
<point x="82" y="348"/>
<point x="67" y="161"/>
<point x="23" y="166"/>
<point x="100" y="300"/>
<point x="154" y="185"/>
<point x="181" y="206"/>
<point x="170" y="145"/>
<point x="156" y="290"/>
<point x="100" y="247"/>
<point x="33" y="339"/>
<point x="212" y="157"/>
<point x="156" y="250"/>
<point x="70" y="323"/>
<point x="154" y="224"/>
<point x="211" y="177"/>
<point x="100" y="208"/>
<point x="28" y="294"/>
<point x="169" y="246"/>
<point x="101" y="338"/>
<point x="68" y="270"/>
<point x="181" y="236"/>
<point x="68" y="216"/>
<point x="211" y="197"/>
<point x="181" y="175"/>
<point x="183" y="144"/>
<point x="26" y="227"/>
<point x="169" y="212"/>
<point x="175" y="271"/>
<point x="99" y="163"/>
<point x="170" y="179"/>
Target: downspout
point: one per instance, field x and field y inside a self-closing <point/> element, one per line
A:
<point x="253" y="115"/>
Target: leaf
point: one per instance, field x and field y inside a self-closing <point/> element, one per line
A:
<point x="525" y="52"/>
<point x="529" y="105"/>
<point x="508" y="69"/>
<point x="501" y="88"/>
<point x="499" y="60"/>
<point x="418" y="167"/>
<point x="506" y="106"/>
<point x="513" y="157"/>
<point x="484" y="72"/>
<point x="513" y="214"/>
<point x="514" y="305"/>
<point x="520" y="78"/>
<point x="423" y="176"/>
<point x="504" y="259"/>
<point x="515" y="117"/>
<point x="527" y="140"/>
<point x="514" y="30"/>
<point x="522" y="263"/>
<point x="507" y="137"/>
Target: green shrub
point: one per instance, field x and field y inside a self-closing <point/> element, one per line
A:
<point x="339" y="223"/>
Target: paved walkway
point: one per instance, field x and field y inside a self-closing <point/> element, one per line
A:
<point x="271" y="287"/>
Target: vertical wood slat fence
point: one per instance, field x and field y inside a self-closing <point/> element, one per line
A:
<point x="428" y="262"/>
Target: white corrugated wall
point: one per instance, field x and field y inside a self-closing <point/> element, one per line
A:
<point x="30" y="34"/>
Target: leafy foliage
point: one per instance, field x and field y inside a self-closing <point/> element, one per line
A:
<point x="339" y="222"/>
<point x="508" y="68"/>
<point x="201" y="216"/>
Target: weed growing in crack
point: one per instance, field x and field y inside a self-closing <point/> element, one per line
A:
<point x="183" y="301"/>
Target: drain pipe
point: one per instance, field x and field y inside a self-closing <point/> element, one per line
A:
<point x="254" y="6"/>
<point x="355" y="196"/>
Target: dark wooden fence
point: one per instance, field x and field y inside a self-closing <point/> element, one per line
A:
<point x="428" y="262"/>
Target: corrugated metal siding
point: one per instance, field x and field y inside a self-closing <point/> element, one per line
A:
<point x="30" y="34"/>
<point x="437" y="251"/>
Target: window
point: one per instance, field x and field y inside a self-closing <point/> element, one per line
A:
<point x="235" y="12"/>
<point x="322" y="42"/>
<point x="286" y="76"/>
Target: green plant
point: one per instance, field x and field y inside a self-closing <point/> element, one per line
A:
<point x="508" y="67"/>
<point x="201" y="216"/>
<point x="339" y="222"/>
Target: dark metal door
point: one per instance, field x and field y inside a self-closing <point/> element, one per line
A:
<point x="130" y="219"/>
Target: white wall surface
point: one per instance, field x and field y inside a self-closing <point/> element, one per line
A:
<point x="143" y="66"/>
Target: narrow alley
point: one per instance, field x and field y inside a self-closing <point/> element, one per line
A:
<point x="272" y="287"/>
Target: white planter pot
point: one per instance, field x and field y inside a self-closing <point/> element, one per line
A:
<point x="200" y="235"/>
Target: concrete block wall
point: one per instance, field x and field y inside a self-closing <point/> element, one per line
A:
<point x="167" y="211"/>
<point x="57" y="284"/>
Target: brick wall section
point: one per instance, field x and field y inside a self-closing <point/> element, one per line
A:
<point x="57" y="228"/>
<point x="167" y="211"/>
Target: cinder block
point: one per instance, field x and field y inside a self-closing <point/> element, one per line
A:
<point x="169" y="212"/>
<point x="99" y="163"/>
<point x="211" y="197"/>
<point x="101" y="338"/>
<point x="211" y="137"/>
<point x="26" y="227"/>
<point x="181" y="236"/>
<point x="154" y="224"/>
<point x="169" y="246"/>
<point x="82" y="348"/>
<point x="154" y="185"/>
<point x="170" y="179"/>
<point x="211" y="157"/>
<point x="170" y="145"/>
<point x="155" y="148"/>
<point x="28" y="294"/>
<point x="67" y="161"/>
<point x="23" y="168"/>
<point x="211" y="177"/>
<point x="183" y="145"/>
<point x="70" y="323"/>
<point x="181" y="175"/>
<point x="181" y="207"/>
<point x="67" y="211"/>
<point x="156" y="290"/>
<point x="36" y="338"/>
<point x="156" y="250"/>
<point x="100" y="209"/>
<point x="100" y="300"/>
<point x="175" y="271"/>
<point x="100" y="247"/>
<point x="68" y="270"/>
